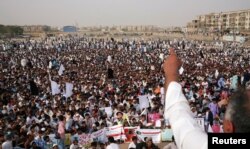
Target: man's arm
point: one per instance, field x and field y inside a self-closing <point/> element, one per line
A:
<point x="187" y="133"/>
<point x="171" y="68"/>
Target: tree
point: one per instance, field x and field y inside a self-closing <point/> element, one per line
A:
<point x="11" y="31"/>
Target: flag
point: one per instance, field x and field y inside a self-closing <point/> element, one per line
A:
<point x="110" y="73"/>
<point x="50" y="64"/>
<point x="201" y="54"/>
<point x="69" y="88"/>
<point x="109" y="59"/>
<point x="33" y="88"/>
<point x="61" y="69"/>
<point x="216" y="73"/>
<point x="181" y="70"/>
<point x="144" y="112"/>
<point x="125" y="117"/>
<point x="54" y="88"/>
<point x="143" y="101"/>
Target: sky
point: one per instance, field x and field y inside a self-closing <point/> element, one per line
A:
<point x="111" y="12"/>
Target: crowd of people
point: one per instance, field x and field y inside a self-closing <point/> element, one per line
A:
<point x="108" y="73"/>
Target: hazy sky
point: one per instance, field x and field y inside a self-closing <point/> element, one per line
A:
<point x="111" y="12"/>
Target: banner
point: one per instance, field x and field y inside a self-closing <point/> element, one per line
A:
<point x="109" y="59"/>
<point x="50" y="64"/>
<point x="155" y="134"/>
<point x="130" y="132"/>
<point x="108" y="111"/>
<point x="161" y="56"/>
<point x="69" y="88"/>
<point x="152" y="118"/>
<point x="54" y="88"/>
<point x="33" y="88"/>
<point x="85" y="140"/>
<point x="228" y="38"/>
<point x="166" y="135"/>
<point x="240" y="39"/>
<point x="143" y="101"/>
<point x="116" y="131"/>
<point x="99" y="136"/>
<point x="201" y="123"/>
<point x="61" y="69"/>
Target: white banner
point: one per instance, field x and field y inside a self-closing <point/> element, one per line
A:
<point x="155" y="134"/>
<point x="201" y="123"/>
<point x="61" y="69"/>
<point x="108" y="110"/>
<point x="161" y="56"/>
<point x="24" y="62"/>
<point x="69" y="88"/>
<point x="166" y="135"/>
<point x="54" y="88"/>
<point x="228" y="38"/>
<point x="50" y="64"/>
<point x="116" y="131"/>
<point x="130" y="132"/>
<point x="109" y="59"/>
<point x="240" y="39"/>
<point x="143" y="101"/>
<point x="99" y="136"/>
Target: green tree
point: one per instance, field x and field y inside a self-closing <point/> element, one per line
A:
<point x="11" y="31"/>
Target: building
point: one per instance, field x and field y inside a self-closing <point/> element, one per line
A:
<point x="193" y="26"/>
<point x="69" y="29"/>
<point x="233" y="21"/>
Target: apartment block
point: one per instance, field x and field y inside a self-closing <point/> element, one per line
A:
<point x="233" y="21"/>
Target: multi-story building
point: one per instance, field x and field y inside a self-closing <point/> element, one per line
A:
<point x="236" y="21"/>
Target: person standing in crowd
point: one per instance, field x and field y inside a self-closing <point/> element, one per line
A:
<point x="7" y="144"/>
<point x="61" y="131"/>
<point x="214" y="107"/>
<point x="74" y="145"/>
<point x="132" y="145"/>
<point x="55" y="146"/>
<point x="40" y="142"/>
<point x="150" y="144"/>
<point x="112" y="144"/>
<point x="208" y="118"/>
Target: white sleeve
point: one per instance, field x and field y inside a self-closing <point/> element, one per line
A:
<point x="108" y="147"/>
<point x="187" y="133"/>
<point x="131" y="145"/>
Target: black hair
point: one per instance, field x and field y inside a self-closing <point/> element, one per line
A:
<point x="240" y="116"/>
<point x="46" y="138"/>
<point x="111" y="140"/>
<point x="134" y="138"/>
<point x="94" y="144"/>
<point x="61" y="118"/>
